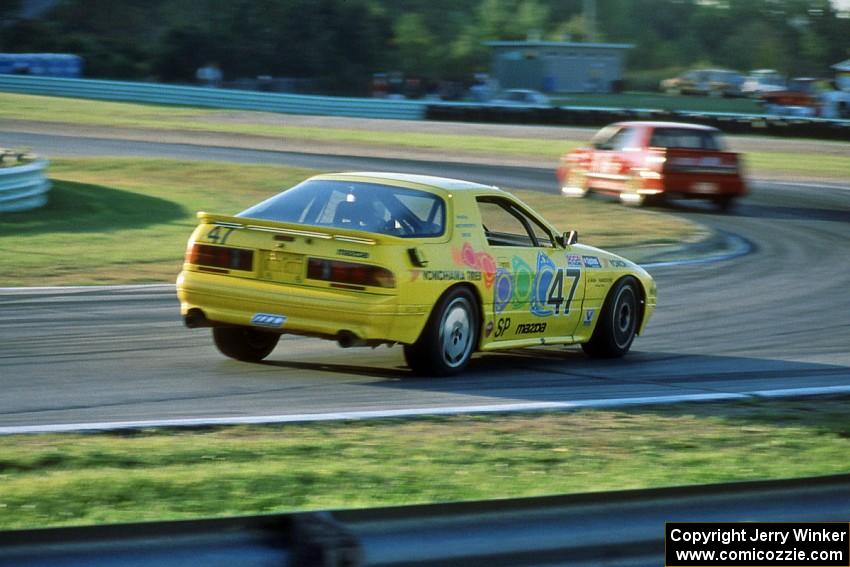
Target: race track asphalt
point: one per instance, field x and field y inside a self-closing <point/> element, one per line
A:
<point x="775" y="319"/>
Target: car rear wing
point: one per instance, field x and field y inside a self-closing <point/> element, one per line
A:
<point x="294" y="229"/>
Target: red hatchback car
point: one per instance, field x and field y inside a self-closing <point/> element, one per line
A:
<point x="650" y="160"/>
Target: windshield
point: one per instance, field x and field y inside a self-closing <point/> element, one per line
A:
<point x="355" y="205"/>
<point x="685" y="138"/>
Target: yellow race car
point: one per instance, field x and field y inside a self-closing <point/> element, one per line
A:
<point x="441" y="266"/>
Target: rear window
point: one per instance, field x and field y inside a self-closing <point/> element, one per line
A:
<point x="370" y="207"/>
<point x="686" y="138"/>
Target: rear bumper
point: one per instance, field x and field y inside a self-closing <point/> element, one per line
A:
<point x="706" y="186"/>
<point x="308" y="311"/>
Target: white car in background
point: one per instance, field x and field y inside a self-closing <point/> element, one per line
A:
<point x="521" y="97"/>
<point x="763" y="81"/>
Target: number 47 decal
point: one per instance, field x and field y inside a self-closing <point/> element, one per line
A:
<point x="555" y="297"/>
<point x="216" y="234"/>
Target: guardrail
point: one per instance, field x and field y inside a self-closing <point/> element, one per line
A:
<point x="790" y="126"/>
<point x="615" y="529"/>
<point x="214" y="98"/>
<point x="23" y="187"/>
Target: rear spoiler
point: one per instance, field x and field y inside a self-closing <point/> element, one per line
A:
<point x="294" y="229"/>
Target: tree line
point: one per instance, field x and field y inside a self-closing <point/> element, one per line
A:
<point x="339" y="44"/>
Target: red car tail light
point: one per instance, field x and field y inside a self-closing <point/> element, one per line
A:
<point x="349" y="273"/>
<point x="220" y="257"/>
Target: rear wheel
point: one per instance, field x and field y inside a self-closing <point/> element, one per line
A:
<point x="724" y="203"/>
<point x="617" y="325"/>
<point x="244" y="343"/>
<point x="449" y="337"/>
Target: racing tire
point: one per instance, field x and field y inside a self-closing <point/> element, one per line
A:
<point x="449" y="338"/>
<point x="617" y="326"/>
<point x="244" y="343"/>
<point x="724" y="204"/>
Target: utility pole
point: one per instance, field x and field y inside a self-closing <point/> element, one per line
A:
<point x="590" y="20"/>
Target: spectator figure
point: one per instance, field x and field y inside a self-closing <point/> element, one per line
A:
<point x="209" y="75"/>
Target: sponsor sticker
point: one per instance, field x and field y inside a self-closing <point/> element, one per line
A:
<point x="573" y="260"/>
<point x="352" y="253"/>
<point x="530" y="328"/>
<point x="268" y="320"/>
<point x="588" y="317"/>
<point x="592" y="262"/>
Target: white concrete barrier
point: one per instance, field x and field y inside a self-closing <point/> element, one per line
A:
<point x="24" y="187"/>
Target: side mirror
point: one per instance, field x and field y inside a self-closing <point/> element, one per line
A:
<point x="569" y="238"/>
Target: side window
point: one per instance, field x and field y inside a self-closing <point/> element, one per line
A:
<point x="507" y="225"/>
<point x="685" y="138"/>
<point x="623" y="139"/>
<point x="615" y="139"/>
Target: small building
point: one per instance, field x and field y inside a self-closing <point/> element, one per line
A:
<point x="558" y="66"/>
<point x="41" y="64"/>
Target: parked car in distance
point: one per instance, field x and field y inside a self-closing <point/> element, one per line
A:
<point x="653" y="160"/>
<point x="441" y="266"/>
<point x="711" y="82"/>
<point x="521" y="97"/>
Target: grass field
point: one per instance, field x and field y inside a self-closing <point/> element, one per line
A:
<point x="145" y="475"/>
<point x="127" y="220"/>
<point x="79" y="112"/>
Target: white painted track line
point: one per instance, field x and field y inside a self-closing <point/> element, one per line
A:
<point x="422" y="412"/>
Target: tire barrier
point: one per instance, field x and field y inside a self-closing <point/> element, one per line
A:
<point x="23" y="187"/>
<point x="731" y="123"/>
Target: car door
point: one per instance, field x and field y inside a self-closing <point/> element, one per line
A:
<point x="538" y="287"/>
<point x="612" y="159"/>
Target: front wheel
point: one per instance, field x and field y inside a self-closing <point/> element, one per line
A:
<point x="617" y="325"/>
<point x="449" y="337"/>
<point x="244" y="343"/>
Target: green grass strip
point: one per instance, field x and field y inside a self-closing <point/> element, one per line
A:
<point x="51" y="480"/>
<point x="152" y="117"/>
<point x="127" y="220"/>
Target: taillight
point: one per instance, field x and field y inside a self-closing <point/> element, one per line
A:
<point x="349" y="273"/>
<point x="220" y="257"/>
<point x="655" y="162"/>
